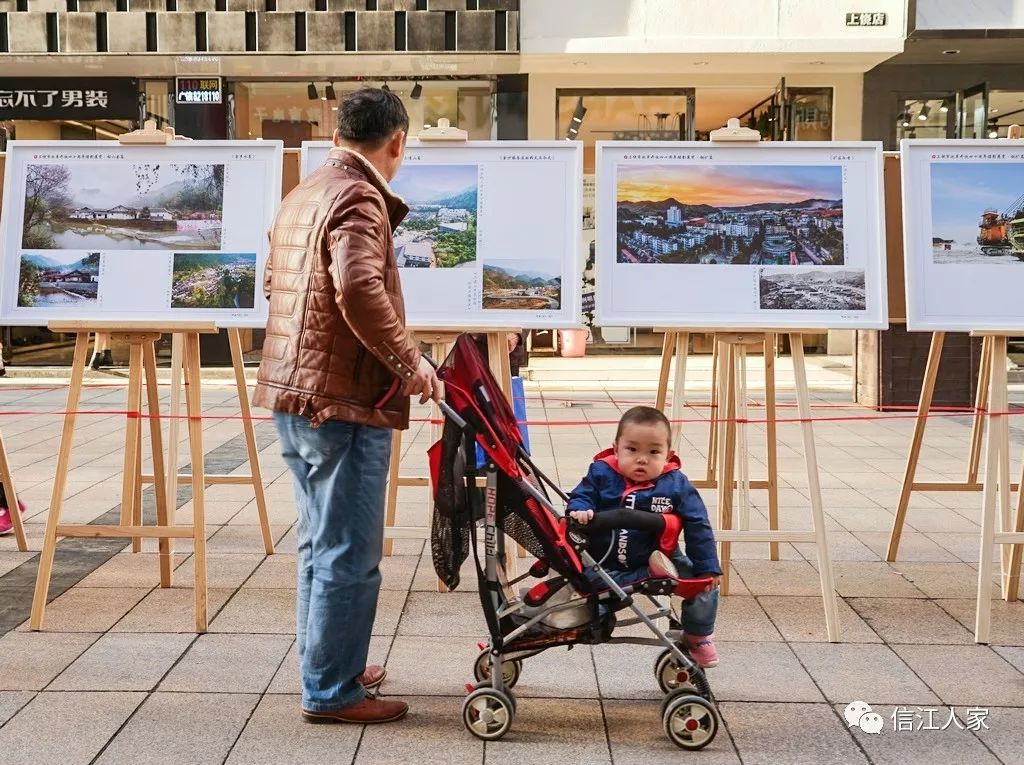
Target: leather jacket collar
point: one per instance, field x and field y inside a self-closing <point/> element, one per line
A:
<point x="353" y="160"/>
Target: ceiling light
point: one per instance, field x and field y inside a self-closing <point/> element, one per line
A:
<point x="385" y="87"/>
<point x="312" y="92"/>
<point x="329" y="94"/>
<point x="950" y="52"/>
<point x="417" y="91"/>
<point x="945" y="106"/>
<point x="992" y="110"/>
<point x="816" y="63"/>
<point x="923" y="114"/>
<point x="993" y="134"/>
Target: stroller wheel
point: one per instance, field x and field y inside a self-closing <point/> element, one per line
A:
<point x="690" y="722"/>
<point x="670" y="675"/>
<point x="510" y="669"/>
<point x="488" y="713"/>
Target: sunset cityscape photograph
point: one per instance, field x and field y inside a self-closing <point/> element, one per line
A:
<point x="730" y="214"/>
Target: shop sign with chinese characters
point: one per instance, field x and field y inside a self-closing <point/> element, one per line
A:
<point x="87" y="98"/>
<point x="198" y="90"/>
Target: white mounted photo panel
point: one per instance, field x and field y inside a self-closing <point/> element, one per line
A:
<point x="96" y="230"/>
<point x="739" y="235"/>
<point x="493" y="234"/>
<point x="963" y="234"/>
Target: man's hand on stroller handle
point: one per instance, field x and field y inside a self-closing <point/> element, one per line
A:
<point x="424" y="382"/>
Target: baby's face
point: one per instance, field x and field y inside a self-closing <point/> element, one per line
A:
<point x="642" y="451"/>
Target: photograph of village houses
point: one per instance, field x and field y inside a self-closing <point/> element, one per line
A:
<point x="440" y="229"/>
<point x="523" y="285"/>
<point x="213" y="280"/>
<point x="58" y="279"/>
<point x="123" y="206"/>
<point x="730" y="214"/>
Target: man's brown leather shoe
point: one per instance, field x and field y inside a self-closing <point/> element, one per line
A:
<point x="373" y="676"/>
<point x="367" y="712"/>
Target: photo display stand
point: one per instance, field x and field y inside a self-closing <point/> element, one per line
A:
<point x="927" y="295"/>
<point x="141" y="337"/>
<point x="11" y="494"/>
<point x="728" y="456"/>
<point x="440" y="341"/>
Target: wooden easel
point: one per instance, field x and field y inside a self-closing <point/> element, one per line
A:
<point x="733" y="458"/>
<point x="677" y="343"/>
<point x="141" y="338"/>
<point x="440" y="341"/>
<point x="11" y="493"/>
<point x="255" y="476"/>
<point x="971" y="483"/>
<point x="997" y="487"/>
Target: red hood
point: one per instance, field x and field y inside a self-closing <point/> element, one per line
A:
<point x="608" y="456"/>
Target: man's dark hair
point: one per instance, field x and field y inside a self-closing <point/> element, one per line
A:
<point x="370" y="116"/>
<point x="644" y="415"/>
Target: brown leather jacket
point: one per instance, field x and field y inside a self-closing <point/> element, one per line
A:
<point x="336" y="344"/>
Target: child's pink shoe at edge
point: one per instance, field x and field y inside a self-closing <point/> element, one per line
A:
<point x="702" y="649"/>
<point x="6" y="524"/>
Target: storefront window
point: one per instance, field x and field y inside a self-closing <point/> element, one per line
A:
<point x="1005" y="108"/>
<point x="811" y="110"/>
<point x="302" y="111"/>
<point x="928" y="116"/>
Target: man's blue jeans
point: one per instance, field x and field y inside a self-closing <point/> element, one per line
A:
<point x="340" y="472"/>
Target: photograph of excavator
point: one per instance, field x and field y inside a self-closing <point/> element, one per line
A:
<point x="977" y="212"/>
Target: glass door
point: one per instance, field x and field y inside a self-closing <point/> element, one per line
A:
<point x="973" y="121"/>
<point x="781" y="115"/>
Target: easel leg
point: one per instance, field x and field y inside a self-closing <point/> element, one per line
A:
<point x="978" y="426"/>
<point x="727" y="463"/>
<point x="667" y="347"/>
<point x="132" y="436"/>
<point x="59" y="484"/>
<point x="828" y="588"/>
<point x="771" y="434"/>
<point x="157" y="449"/>
<point x="235" y="341"/>
<point x="174" y="427"/>
<point x="924" y="403"/>
<point x="194" y="409"/>
<point x="1012" y="576"/>
<point x="996" y="441"/>
<point x="12" y="498"/>
<point x="679" y="388"/>
<point x="501" y="368"/>
<point x="715" y="399"/>
<point x="392" y="497"/>
<point x="743" y="441"/>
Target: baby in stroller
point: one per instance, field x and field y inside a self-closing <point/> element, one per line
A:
<point x="640" y="472"/>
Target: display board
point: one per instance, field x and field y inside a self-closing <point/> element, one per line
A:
<point x="702" y="235"/>
<point x="963" y="234"/>
<point x="96" y="230"/>
<point x="492" y="238"/>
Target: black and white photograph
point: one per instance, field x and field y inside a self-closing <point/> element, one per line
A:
<point x="812" y="290"/>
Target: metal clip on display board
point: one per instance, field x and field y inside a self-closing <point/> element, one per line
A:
<point x="728" y="453"/>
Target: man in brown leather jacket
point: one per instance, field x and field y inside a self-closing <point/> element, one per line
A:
<point x="338" y="366"/>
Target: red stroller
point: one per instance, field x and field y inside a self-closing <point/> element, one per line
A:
<point x="564" y="609"/>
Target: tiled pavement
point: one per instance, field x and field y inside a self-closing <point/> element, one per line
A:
<point x="118" y="676"/>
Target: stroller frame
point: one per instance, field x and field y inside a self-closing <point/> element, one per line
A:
<point x="689" y="714"/>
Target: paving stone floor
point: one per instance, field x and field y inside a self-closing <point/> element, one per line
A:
<point x="119" y="676"/>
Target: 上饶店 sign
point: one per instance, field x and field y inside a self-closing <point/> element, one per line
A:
<point x="87" y="98"/>
<point x="198" y="90"/>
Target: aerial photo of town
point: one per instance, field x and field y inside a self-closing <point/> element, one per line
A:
<point x="440" y="229"/>
<point x="730" y="214"/>
<point x="819" y="289"/>
<point x="213" y="280"/>
<point x="523" y="285"/>
<point x="123" y="206"/>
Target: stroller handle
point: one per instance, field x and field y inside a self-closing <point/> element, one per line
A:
<point x="623" y="518"/>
